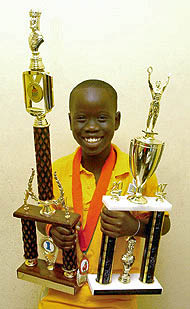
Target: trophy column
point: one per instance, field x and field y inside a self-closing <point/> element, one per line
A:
<point x="106" y="260"/>
<point x="153" y="236"/>
<point x="30" y="242"/>
<point x="43" y="162"/>
<point x="104" y="273"/>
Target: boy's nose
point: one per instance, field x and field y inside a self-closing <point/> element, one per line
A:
<point x="91" y="125"/>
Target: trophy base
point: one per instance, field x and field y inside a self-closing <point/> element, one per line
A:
<point x="53" y="279"/>
<point x="125" y="205"/>
<point x="137" y="199"/>
<point x="135" y="287"/>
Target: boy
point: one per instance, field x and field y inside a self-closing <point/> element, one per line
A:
<point x="88" y="174"/>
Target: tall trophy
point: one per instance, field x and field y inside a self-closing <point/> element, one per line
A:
<point x="144" y="156"/>
<point x="38" y="94"/>
<point x="146" y="151"/>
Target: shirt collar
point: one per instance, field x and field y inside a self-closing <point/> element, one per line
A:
<point x="121" y="166"/>
<point x="122" y="163"/>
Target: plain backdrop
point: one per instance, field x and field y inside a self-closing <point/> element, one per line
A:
<point x="114" y="41"/>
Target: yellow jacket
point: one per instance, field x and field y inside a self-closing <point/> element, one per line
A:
<point x="84" y="299"/>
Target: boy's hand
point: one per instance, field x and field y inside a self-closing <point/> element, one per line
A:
<point x="118" y="223"/>
<point x="63" y="237"/>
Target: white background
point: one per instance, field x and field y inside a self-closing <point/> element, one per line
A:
<point x="115" y="41"/>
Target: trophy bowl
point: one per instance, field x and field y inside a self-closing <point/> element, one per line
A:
<point x="144" y="156"/>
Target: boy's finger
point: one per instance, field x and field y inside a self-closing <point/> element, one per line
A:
<point x="110" y="213"/>
<point x="63" y="230"/>
<point x="109" y="227"/>
<point x="108" y="219"/>
<point x="109" y="233"/>
<point x="63" y="237"/>
<point x="64" y="244"/>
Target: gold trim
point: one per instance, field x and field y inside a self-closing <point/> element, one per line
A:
<point x="47" y="283"/>
<point x="149" y="247"/>
<point x="40" y="120"/>
<point x="103" y="258"/>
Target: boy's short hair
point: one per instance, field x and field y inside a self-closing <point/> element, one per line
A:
<point x="94" y="83"/>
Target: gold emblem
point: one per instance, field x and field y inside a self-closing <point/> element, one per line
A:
<point x="50" y="251"/>
<point x="35" y="92"/>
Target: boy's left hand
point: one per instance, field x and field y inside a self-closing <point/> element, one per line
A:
<point x="118" y="223"/>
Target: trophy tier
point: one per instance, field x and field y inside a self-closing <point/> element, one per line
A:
<point x="135" y="287"/>
<point x="53" y="279"/>
<point x="145" y="281"/>
<point x="123" y="204"/>
<point x="33" y="213"/>
<point x="38" y="273"/>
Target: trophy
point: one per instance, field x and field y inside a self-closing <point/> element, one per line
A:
<point x="144" y="156"/>
<point x="145" y="152"/>
<point x="38" y="93"/>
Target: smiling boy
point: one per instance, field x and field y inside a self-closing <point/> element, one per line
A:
<point x="86" y="175"/>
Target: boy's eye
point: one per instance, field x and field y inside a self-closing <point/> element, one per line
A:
<point x="102" y="117"/>
<point x="81" y="118"/>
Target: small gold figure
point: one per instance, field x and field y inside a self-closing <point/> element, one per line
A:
<point x="156" y="93"/>
<point x="160" y="194"/>
<point x="128" y="259"/>
<point x="116" y="190"/>
<point x="49" y="251"/>
<point x="47" y="206"/>
<point x="35" y="38"/>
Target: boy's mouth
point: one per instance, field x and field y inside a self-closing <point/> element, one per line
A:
<point x="92" y="140"/>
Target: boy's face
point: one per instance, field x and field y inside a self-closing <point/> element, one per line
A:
<point x="93" y="120"/>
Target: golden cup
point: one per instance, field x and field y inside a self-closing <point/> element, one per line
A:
<point x="144" y="156"/>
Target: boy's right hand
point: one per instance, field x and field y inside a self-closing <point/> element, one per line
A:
<point x="63" y="237"/>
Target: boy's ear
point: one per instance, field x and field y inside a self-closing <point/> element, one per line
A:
<point x="70" y="121"/>
<point x="117" y="120"/>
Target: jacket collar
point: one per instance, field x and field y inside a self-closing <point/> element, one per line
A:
<point x="122" y="163"/>
<point x="121" y="166"/>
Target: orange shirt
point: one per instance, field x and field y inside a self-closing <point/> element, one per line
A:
<point x="121" y="172"/>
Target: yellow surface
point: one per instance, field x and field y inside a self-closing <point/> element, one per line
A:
<point x="121" y="171"/>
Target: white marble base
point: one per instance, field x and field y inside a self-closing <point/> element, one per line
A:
<point x="125" y="205"/>
<point x="135" y="287"/>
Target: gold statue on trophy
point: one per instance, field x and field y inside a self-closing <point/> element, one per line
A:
<point x="128" y="260"/>
<point x="156" y="93"/>
<point x="36" y="38"/>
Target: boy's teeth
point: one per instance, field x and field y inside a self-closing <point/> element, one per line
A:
<point x="92" y="139"/>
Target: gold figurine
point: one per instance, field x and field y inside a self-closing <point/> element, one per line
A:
<point x="128" y="259"/>
<point x="47" y="206"/>
<point x="49" y="251"/>
<point x="116" y="190"/>
<point x="160" y="194"/>
<point x="35" y="40"/>
<point x="156" y="93"/>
